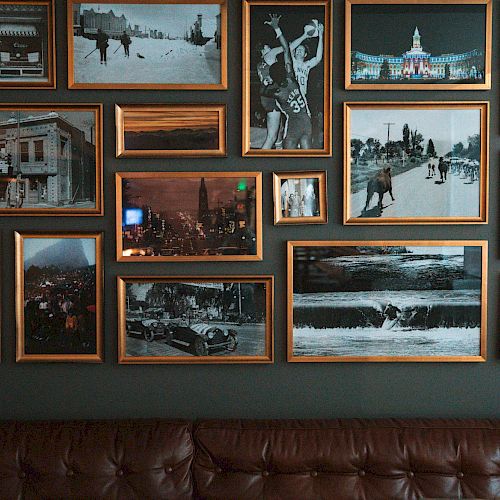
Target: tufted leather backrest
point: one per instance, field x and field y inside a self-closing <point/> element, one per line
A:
<point x="96" y="459"/>
<point x="347" y="459"/>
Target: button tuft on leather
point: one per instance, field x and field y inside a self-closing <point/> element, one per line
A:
<point x="169" y="469"/>
<point x="265" y="473"/>
<point x="119" y="472"/>
<point x="361" y="473"/>
<point x="411" y="474"/>
<point x="70" y="473"/>
<point x="460" y="475"/>
<point x="219" y="470"/>
<point x="314" y="473"/>
<point x="22" y="475"/>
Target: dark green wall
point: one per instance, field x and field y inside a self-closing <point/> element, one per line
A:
<point x="280" y="390"/>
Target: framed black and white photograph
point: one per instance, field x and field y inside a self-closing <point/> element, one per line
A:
<point x="59" y="286"/>
<point x="153" y="44"/>
<point x="300" y="197"/>
<point x="170" y="130"/>
<point x="431" y="45"/>
<point x="387" y="301"/>
<point x="27" y="44"/>
<point x="416" y="162"/>
<point x="188" y="216"/>
<point x="189" y="319"/>
<point x="286" y="78"/>
<point x="51" y="159"/>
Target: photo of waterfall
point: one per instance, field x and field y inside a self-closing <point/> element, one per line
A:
<point x="400" y="301"/>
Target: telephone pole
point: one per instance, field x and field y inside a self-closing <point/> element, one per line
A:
<point x="388" y="138"/>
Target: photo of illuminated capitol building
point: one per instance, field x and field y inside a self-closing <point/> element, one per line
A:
<point x="418" y="64"/>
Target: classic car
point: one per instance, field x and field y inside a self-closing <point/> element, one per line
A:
<point x="145" y="324"/>
<point x="201" y="338"/>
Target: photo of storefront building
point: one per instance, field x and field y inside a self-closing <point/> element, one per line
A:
<point x="47" y="159"/>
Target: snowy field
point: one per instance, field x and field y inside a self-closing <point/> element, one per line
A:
<point x="165" y="61"/>
<point x="418" y="196"/>
<point x="380" y="342"/>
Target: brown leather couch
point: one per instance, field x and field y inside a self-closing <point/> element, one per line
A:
<point x="250" y="459"/>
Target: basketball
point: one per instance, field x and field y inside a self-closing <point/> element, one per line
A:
<point x="311" y="28"/>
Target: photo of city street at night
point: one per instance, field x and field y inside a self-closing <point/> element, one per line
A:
<point x="58" y="297"/>
<point x="188" y="216"/>
<point x="193" y="319"/>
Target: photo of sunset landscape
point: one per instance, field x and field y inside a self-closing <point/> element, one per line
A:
<point x="162" y="128"/>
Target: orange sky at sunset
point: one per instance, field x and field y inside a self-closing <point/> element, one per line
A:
<point x="150" y="121"/>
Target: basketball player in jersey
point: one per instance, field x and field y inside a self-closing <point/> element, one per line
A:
<point x="269" y="56"/>
<point x="286" y="91"/>
<point x="302" y="67"/>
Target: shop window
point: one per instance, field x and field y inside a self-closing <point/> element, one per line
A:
<point x="25" y="154"/>
<point x="39" y="151"/>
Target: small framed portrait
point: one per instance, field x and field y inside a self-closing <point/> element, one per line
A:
<point x="27" y="44"/>
<point x="170" y="130"/>
<point x="51" y="159"/>
<point x="418" y="45"/>
<point x="287" y="78"/>
<point x="186" y="319"/>
<point x="300" y="197"/>
<point x="188" y="216"/>
<point x="153" y="44"/>
<point x="389" y="301"/>
<point x="59" y="297"/>
<point x="416" y="162"/>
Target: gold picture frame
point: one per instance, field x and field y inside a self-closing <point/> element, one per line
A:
<point x="183" y="338"/>
<point x="274" y="7"/>
<point x="71" y="135"/>
<point x="211" y="116"/>
<point x="457" y="172"/>
<point x="351" y="84"/>
<point x="376" y="302"/>
<point x="248" y="210"/>
<point x="50" y="338"/>
<point x="51" y="82"/>
<point x="319" y="195"/>
<point x="221" y="42"/>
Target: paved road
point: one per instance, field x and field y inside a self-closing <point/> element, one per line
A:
<point x="251" y="342"/>
<point x="417" y="195"/>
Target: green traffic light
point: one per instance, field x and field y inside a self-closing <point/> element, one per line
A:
<point x="242" y="185"/>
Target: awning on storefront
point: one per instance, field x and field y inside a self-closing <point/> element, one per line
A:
<point x="17" y="30"/>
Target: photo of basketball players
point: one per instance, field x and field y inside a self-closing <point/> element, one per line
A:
<point x="286" y="79"/>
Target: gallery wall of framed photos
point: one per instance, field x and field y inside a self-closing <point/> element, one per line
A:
<point x="249" y="208"/>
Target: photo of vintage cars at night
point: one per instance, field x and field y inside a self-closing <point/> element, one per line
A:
<point x="162" y="320"/>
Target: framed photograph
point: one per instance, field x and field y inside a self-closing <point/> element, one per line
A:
<point x="187" y="216"/>
<point x="416" y="162"/>
<point x="411" y="45"/>
<point x="51" y="159"/>
<point x="170" y="130"/>
<point x="27" y="44"/>
<point x="147" y="44"/>
<point x="186" y="319"/>
<point x="387" y="301"/>
<point x="59" y="297"/>
<point x="300" y="197"/>
<point x="287" y="98"/>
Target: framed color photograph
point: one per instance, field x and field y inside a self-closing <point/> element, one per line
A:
<point x="186" y="319"/>
<point x="51" y="159"/>
<point x="170" y="130"/>
<point x="59" y="286"/>
<point x="387" y="300"/>
<point x="286" y="78"/>
<point x="406" y="44"/>
<point x="27" y="44"/>
<point x="300" y="197"/>
<point x="416" y="162"/>
<point x="187" y="216"/>
<point x="153" y="44"/>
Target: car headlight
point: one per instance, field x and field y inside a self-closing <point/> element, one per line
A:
<point x="155" y="325"/>
<point x="226" y="333"/>
<point x="211" y="335"/>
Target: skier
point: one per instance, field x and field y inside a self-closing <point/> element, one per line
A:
<point x="126" y="41"/>
<point x="102" y="44"/>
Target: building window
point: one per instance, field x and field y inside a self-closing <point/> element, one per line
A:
<point x="25" y="154"/>
<point x="39" y="151"/>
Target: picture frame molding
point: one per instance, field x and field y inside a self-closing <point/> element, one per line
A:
<point x="484" y="108"/>
<point x="268" y="358"/>
<point x="247" y="151"/>
<point x="21" y="356"/>
<point x="122" y="152"/>
<point x="349" y="85"/>
<point x="482" y="357"/>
